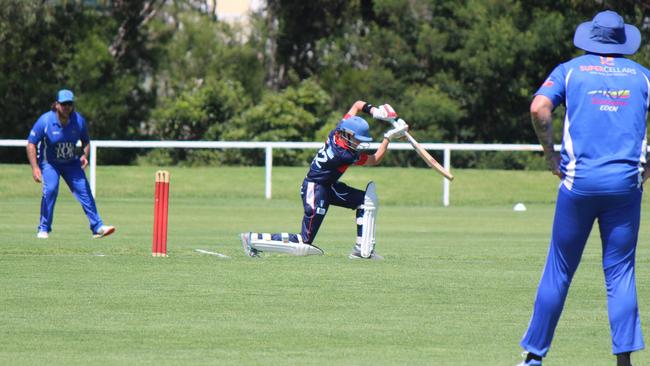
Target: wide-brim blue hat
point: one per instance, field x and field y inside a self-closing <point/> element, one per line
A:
<point x="64" y="95"/>
<point x="607" y="33"/>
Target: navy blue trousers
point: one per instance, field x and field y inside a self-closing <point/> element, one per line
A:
<point x="316" y="200"/>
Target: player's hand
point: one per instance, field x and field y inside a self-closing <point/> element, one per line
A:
<point x="553" y="162"/>
<point x="84" y="161"/>
<point x="398" y="131"/>
<point x="384" y="112"/>
<point x="36" y="174"/>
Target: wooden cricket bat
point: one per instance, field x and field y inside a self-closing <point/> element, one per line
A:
<point x="431" y="162"/>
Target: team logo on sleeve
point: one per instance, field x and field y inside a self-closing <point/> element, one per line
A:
<point x="548" y="83"/>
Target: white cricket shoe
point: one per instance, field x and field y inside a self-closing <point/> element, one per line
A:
<point x="104" y="230"/>
<point x="42" y="235"/>
<point x="373" y="256"/>
<point x="246" y="244"/>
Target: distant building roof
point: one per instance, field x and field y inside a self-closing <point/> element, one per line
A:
<point x="237" y="10"/>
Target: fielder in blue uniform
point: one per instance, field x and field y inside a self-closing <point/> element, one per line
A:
<point x="602" y="170"/>
<point x="322" y="188"/>
<point x="51" y="153"/>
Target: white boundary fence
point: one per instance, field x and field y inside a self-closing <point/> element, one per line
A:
<point x="269" y="146"/>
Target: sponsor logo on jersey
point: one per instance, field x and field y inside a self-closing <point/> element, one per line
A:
<point x="609" y="100"/>
<point x="613" y="94"/>
<point x="548" y="83"/>
<point x="64" y="150"/>
<point x="608" y="70"/>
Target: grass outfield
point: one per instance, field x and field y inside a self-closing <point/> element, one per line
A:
<point x="456" y="287"/>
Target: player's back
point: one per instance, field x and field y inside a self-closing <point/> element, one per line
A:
<point x="605" y="123"/>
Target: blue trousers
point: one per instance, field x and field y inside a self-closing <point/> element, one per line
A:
<point x="76" y="180"/>
<point x="618" y="220"/>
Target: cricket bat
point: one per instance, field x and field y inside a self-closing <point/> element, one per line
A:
<point x="431" y="162"/>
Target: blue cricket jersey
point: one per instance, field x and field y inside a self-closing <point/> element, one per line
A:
<point x="332" y="160"/>
<point x="604" y="140"/>
<point x="56" y="143"/>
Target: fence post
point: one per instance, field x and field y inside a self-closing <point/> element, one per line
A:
<point x="93" y="168"/>
<point x="445" y="182"/>
<point x="269" y="167"/>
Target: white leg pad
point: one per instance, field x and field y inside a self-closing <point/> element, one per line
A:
<point x="370" y="207"/>
<point x="283" y="246"/>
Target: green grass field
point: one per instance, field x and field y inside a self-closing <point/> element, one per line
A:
<point x="456" y="287"/>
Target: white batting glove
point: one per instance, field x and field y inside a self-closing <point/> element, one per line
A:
<point x="399" y="130"/>
<point x="384" y="112"/>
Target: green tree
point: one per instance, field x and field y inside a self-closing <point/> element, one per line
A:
<point x="296" y="114"/>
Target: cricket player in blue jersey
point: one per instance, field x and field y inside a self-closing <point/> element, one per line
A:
<point x="51" y="153"/>
<point x="322" y="188"/>
<point x="602" y="169"/>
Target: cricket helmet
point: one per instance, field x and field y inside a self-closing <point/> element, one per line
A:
<point x="356" y="127"/>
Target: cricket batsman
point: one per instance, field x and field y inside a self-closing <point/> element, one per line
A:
<point x="322" y="188"/>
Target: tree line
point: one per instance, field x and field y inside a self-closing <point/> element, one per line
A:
<point x="457" y="70"/>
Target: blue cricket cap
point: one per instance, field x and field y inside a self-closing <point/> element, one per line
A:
<point x="64" y="95"/>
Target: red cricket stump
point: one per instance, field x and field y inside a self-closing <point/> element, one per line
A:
<point x="160" y="214"/>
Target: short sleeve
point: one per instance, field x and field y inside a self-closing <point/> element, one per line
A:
<point x="363" y="158"/>
<point x="554" y="86"/>
<point x="38" y="130"/>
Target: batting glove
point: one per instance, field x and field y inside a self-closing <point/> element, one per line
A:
<point x="399" y="130"/>
<point x="385" y="113"/>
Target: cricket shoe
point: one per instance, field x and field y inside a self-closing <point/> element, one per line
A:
<point x="246" y="244"/>
<point x="103" y="231"/>
<point x="531" y="362"/>
<point x="42" y="235"/>
<point x="373" y="256"/>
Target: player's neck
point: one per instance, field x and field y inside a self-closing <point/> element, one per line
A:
<point x="62" y="119"/>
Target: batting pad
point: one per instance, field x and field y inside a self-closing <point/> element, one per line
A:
<point x="370" y="207"/>
<point x="283" y="246"/>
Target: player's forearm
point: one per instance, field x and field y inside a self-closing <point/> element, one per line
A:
<point x="31" y="155"/>
<point x="544" y="130"/>
<point x="360" y="106"/>
<point x="356" y="108"/>
<point x="542" y="119"/>
<point x="86" y="150"/>
<point x="376" y="158"/>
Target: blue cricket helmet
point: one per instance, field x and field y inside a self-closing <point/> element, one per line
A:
<point x="357" y="127"/>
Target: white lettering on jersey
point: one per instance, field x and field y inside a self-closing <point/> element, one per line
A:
<point x="64" y="151"/>
<point x="609" y="108"/>
<point x="322" y="156"/>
